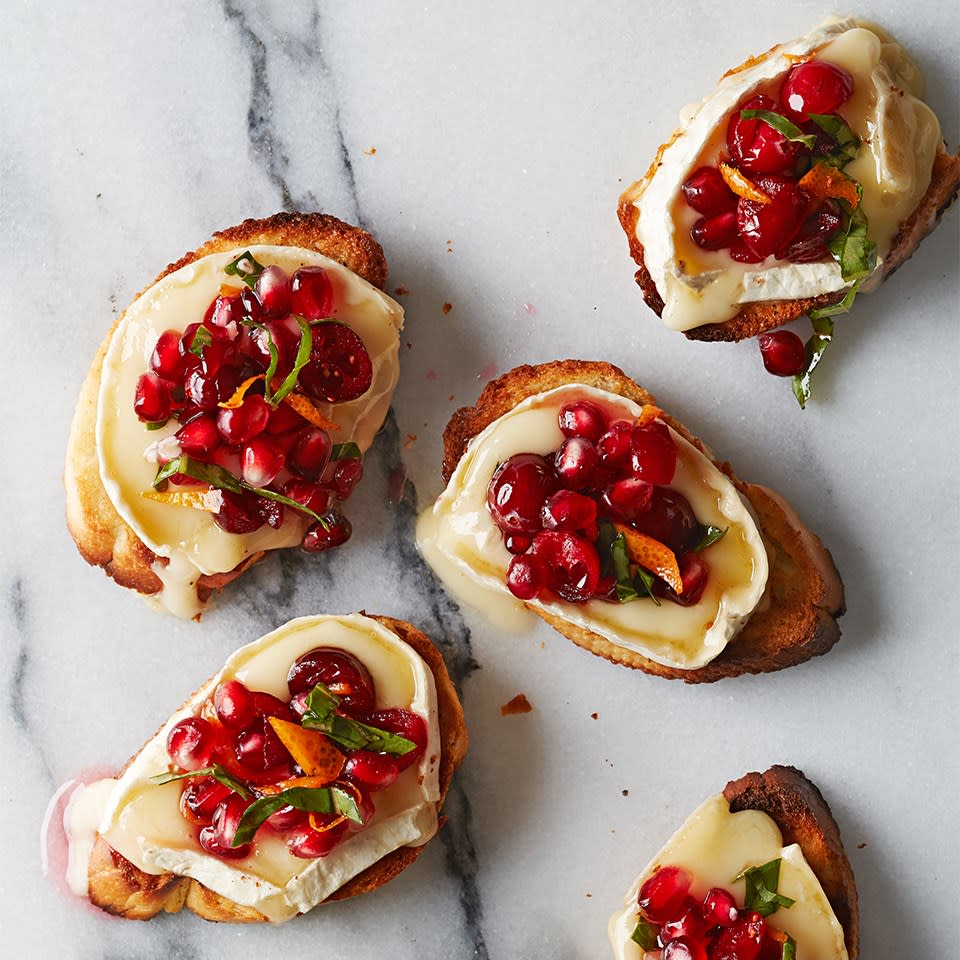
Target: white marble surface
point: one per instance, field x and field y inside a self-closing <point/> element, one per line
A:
<point x="503" y="134"/>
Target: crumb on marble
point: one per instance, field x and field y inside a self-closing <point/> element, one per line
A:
<point x="409" y="345"/>
<point x="589" y="895"/>
<point x="431" y="374"/>
<point x="371" y="152"/>
<point x="519" y="704"/>
<point x="410" y="441"/>
<point x="625" y="792"/>
<point x="594" y="716"/>
<point x="446" y="308"/>
<point x="401" y="292"/>
<point x="860" y="846"/>
<point x="450" y="398"/>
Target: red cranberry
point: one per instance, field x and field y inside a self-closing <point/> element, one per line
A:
<point x="200" y="799"/>
<point x="810" y="243"/>
<point x="260" y="462"/>
<point x="273" y="291"/>
<point x="756" y="146"/>
<point x="288" y="818"/>
<point x="582" y="419"/>
<point x="407" y="724"/>
<point x="517" y="542"/>
<point x="526" y="576"/>
<point x="234" y="705"/>
<point x="743" y="254"/>
<point x="670" y="520"/>
<point x="814" y="87"/>
<point x="614" y="446"/>
<point x="715" y="233"/>
<point x="782" y="352"/>
<point x="375" y="771"/>
<point x="627" y="498"/>
<point x="572" y="564"/>
<point x="575" y="462"/>
<point x="566" y="510"/>
<point x="199" y="437"/>
<point x="743" y="940"/>
<point x="339" y="368"/>
<point x="706" y="191"/>
<point x="766" y="228"/>
<point x="341" y="672"/>
<point x="271" y="512"/>
<point x="152" y="401"/>
<point x="319" y="538"/>
<point x="239" y="513"/>
<point x="654" y="453"/>
<point x="311" y="293"/>
<point x="218" y="837"/>
<point x="517" y="492"/>
<point x="663" y="896"/>
<point x="693" y="575"/>
<point x="166" y="359"/>
<point x="311" y="453"/>
<point x="346" y="476"/>
<point x="191" y="743"/>
<point x="308" y="844"/>
<point x="719" y="908"/>
<point x="267" y="705"/>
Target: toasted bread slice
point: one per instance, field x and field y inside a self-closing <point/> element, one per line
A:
<point x="797" y="616"/>
<point x="102" y="537"/>
<point x="119" y="887"/>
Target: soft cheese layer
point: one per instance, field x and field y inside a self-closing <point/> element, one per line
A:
<point x="714" y="846"/>
<point x="189" y="538"/>
<point x="900" y="137"/>
<point x="141" y="820"/>
<point x="459" y="539"/>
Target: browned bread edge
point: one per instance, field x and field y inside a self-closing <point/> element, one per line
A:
<point x="120" y="888"/>
<point x="803" y="816"/>
<point x="102" y="537"/>
<point x="797" y="616"/>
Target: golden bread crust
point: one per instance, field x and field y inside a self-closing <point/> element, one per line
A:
<point x="120" y="888"/>
<point x="803" y="816"/>
<point x="797" y="616"/>
<point x="102" y="537"/>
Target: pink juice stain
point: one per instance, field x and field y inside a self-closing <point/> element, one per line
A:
<point x="487" y="372"/>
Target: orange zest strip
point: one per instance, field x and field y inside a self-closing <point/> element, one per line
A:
<point x="237" y="399"/>
<point x="314" y="753"/>
<point x="648" y="414"/>
<point x="208" y="499"/>
<point x="227" y="290"/>
<point x="652" y="555"/>
<point x="322" y="827"/>
<point x="741" y="185"/>
<point x="821" y="181"/>
<point x="271" y="789"/>
<point x="308" y="410"/>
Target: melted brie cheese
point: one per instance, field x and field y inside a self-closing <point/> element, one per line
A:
<point x="190" y="539"/>
<point x="714" y="846"/>
<point x="142" y="820"/>
<point x="900" y="136"/>
<point x="459" y="539"/>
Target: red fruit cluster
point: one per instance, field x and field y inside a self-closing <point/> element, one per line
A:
<point x="191" y="375"/>
<point x="232" y="730"/>
<point x="708" y="929"/>
<point x="548" y="508"/>
<point x="792" y="225"/>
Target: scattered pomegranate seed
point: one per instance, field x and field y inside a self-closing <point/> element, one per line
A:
<point x="566" y="510"/>
<point x="664" y="895"/>
<point x="200" y="799"/>
<point x="406" y="724"/>
<point x="239" y="513"/>
<point x="627" y="498"/>
<point x="199" y="437"/>
<point x="782" y="352"/>
<point x="309" y="844"/>
<point x="517" y="542"/>
<point x="719" y="908"/>
<point x="743" y="940"/>
<point x="152" y="401"/>
<point x="311" y="453"/>
<point x="654" y="454"/>
<point x="614" y="446"/>
<point x="814" y="87"/>
<point x="315" y="496"/>
<point x="582" y="419"/>
<point x="572" y="564"/>
<point x="234" y="705"/>
<point x="317" y="539"/>
<point x="575" y="462"/>
<point x="166" y="359"/>
<point x="224" y="312"/>
<point x="217" y="838"/>
<point x="346" y="476"/>
<point x="288" y="818"/>
<point x="260" y="462"/>
<point x="191" y="743"/>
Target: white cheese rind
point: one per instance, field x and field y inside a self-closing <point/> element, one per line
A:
<point x="175" y="301"/>
<point x="142" y="821"/>
<point x="900" y="137"/>
<point x="460" y="541"/>
<point x="714" y="846"/>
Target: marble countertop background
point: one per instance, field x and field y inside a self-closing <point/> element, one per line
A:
<point x="485" y="146"/>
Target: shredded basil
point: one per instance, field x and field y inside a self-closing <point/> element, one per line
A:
<point x="311" y="799"/>
<point x="345" y="451"/>
<point x="216" y="771"/>
<point x="850" y="246"/>
<point x="847" y="142"/>
<point x="761" y="889"/>
<point x="320" y="714"/>
<point x="709" y="535"/>
<point x="303" y="357"/>
<point x="615" y="562"/>
<point x="782" y="125"/>
<point x="157" y="424"/>
<point x="202" y="337"/>
<point x="246" y="268"/>
<point x="821" y="339"/>
<point x="789" y="949"/>
<point x="645" y="934"/>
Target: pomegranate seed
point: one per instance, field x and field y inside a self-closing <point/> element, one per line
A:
<point x="284" y="419"/>
<point x="517" y="492"/>
<point x="275" y="754"/>
<point x="311" y="453"/>
<point x="207" y="392"/>
<point x="199" y="437"/>
<point x="688" y="925"/>
<point x="270" y="512"/>
<point x="226" y="312"/>
<point x="346" y="476"/>
<point x="241" y="424"/>
<point x="719" y="908"/>
<point x="191" y="743"/>
<point x="572" y="564"/>
<point x="252" y="307"/>
<point x="288" y="818"/>
<point x="810" y="243"/>
<point x="582" y="419"/>
<point x="259" y="750"/>
<point x="627" y="498"/>
<point x="684" y="949"/>
<point x="706" y="191"/>
<point x="217" y="838"/>
<point x="783" y="353"/>
<point x="717" y="232"/>
<point x="200" y="799"/>
<point x="308" y="844"/>
<point x="614" y="445"/>
<point x="566" y="510"/>
<point x="654" y="453"/>
<point x="517" y="542"/>
<point x="317" y="539"/>
<point x="670" y="520"/>
<point x="216" y="355"/>
<point x="273" y="291"/>
<point x="768" y="227"/>
<point x="267" y="705"/>
<point x="239" y="513"/>
<point x="166" y="359"/>
<point x="234" y="705"/>
<point x="693" y="575"/>
<point x="575" y="462"/>
<point x="152" y="401"/>
<point x="341" y="672"/>
<point x="526" y="577"/>
<point x="742" y="254"/>
<point x="311" y="293"/>
<point x="339" y="368"/>
<point x="664" y="895"/>
<point x="314" y="496"/>
<point x="375" y="771"/>
<point x="754" y="145"/>
<point x="742" y="941"/>
<point x="407" y="724"/>
<point x="814" y="87"/>
<point x="260" y="461"/>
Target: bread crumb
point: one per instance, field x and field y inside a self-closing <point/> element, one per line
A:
<point x="409" y="345"/>
<point x="431" y="374"/>
<point x="589" y="894"/>
<point x="625" y="793"/>
<point x="401" y="292"/>
<point x="371" y="152"/>
<point x="410" y="441"/>
<point x="519" y="704"/>
<point x="594" y="716"/>
<point x="860" y="846"/>
<point x="447" y="307"/>
<point x="450" y="398"/>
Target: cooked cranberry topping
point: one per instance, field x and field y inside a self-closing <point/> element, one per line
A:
<point x="517" y="492"/>
<point x="707" y="192"/>
<point x="815" y="87"/>
<point x="571" y="562"/>
<point x="341" y="672"/>
<point x="782" y="352"/>
<point x="526" y="576"/>
<point x="754" y="145"/>
<point x="582" y="419"/>
<point x="715" y="233"/>
<point x="339" y="368"/>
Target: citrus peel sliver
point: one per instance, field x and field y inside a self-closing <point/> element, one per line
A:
<point x="648" y="414"/>
<point x="308" y="410"/>
<point x="652" y="555"/>
<point x="313" y="752"/>
<point x="821" y="182"/>
<point x="741" y="185"/>
<point x="271" y="789"/>
<point x="208" y="499"/>
<point x="237" y="399"/>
